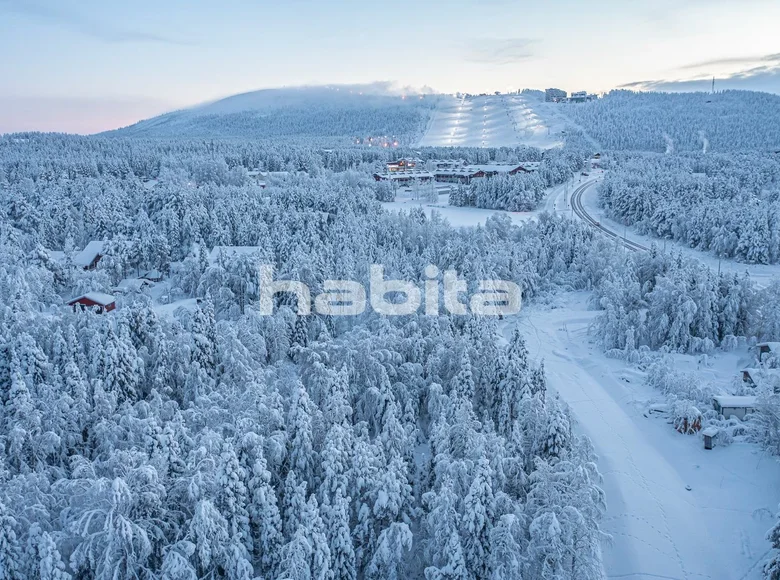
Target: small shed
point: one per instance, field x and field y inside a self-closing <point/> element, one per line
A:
<point x="768" y="348"/>
<point x="709" y="437"/>
<point x="98" y="300"/>
<point x="734" y="406"/>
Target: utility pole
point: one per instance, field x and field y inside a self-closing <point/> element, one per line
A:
<point x="713" y="85"/>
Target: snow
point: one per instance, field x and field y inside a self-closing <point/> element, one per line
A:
<point x="232" y="251"/>
<point x="733" y="401"/>
<point x="86" y="256"/>
<point x="660" y="529"/>
<point x="456" y="216"/>
<point x="489" y="121"/>
<point x="130" y="285"/>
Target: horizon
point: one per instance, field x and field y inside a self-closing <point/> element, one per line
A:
<point x="94" y="67"/>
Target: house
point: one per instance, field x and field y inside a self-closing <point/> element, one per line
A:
<point x="255" y="175"/>
<point x="734" y="406"/>
<point x="97" y="300"/>
<point x="761" y="376"/>
<point x="768" y="348"/>
<point x="89" y="257"/>
<point x="152" y="276"/>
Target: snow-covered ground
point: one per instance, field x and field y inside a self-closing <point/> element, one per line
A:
<point x="469" y="216"/>
<point x="456" y="216"/>
<point x="660" y="529"/>
<point x="491" y="121"/>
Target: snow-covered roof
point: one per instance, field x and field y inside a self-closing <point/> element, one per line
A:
<point x="86" y="256"/>
<point x="773" y="346"/>
<point x="96" y="297"/>
<point x="734" y="401"/>
<point x="405" y="175"/>
<point x="232" y="251"/>
<point x="56" y="255"/>
<point x="152" y="275"/>
<point x="131" y="285"/>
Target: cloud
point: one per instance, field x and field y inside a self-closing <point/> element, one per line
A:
<point x="757" y="73"/>
<point x="767" y="59"/>
<point x="58" y="14"/>
<point x="499" y="51"/>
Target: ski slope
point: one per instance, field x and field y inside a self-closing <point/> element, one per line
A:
<point x="491" y="121"/>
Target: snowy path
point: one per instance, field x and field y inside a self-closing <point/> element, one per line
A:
<point x="489" y="121"/>
<point x="659" y="528"/>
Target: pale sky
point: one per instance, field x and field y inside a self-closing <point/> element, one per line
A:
<point x="90" y="65"/>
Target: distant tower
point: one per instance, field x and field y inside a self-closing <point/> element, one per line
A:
<point x="713" y="85"/>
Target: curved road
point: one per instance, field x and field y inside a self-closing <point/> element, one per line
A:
<point x="576" y="203"/>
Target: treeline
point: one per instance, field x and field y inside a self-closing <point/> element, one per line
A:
<point x="649" y="121"/>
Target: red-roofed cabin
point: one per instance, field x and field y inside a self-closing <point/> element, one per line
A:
<point x="97" y="300"/>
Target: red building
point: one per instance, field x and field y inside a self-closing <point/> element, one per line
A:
<point x="97" y="300"/>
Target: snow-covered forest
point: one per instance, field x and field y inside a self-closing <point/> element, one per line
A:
<point x="207" y="441"/>
<point x="649" y="121"/>
<point x="324" y="116"/>
<point x="726" y="204"/>
<point x="184" y="435"/>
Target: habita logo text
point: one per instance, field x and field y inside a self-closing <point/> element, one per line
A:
<point x="394" y="297"/>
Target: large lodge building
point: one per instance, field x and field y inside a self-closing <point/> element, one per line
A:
<point x="448" y="171"/>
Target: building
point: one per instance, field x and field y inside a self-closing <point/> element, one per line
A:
<point x="762" y="377"/>
<point x="581" y="97"/>
<point x="768" y="348"/>
<point x="152" y="276"/>
<point x="404" y="164"/>
<point x="399" y="177"/>
<point x="465" y="173"/>
<point x="554" y="95"/>
<point x="255" y="175"/>
<point x="89" y="257"/>
<point x="734" y="406"/>
<point x="96" y="300"/>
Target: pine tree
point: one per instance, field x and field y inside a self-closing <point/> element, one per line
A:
<point x="300" y="443"/>
<point x="342" y="554"/>
<point x="231" y="499"/>
<point x="10" y="551"/>
<point x="478" y="521"/>
<point x="264" y="517"/>
<point x="43" y="558"/>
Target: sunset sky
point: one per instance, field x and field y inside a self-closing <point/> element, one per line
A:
<point x="86" y="66"/>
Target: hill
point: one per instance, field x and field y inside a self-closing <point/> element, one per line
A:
<point x="331" y="112"/>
